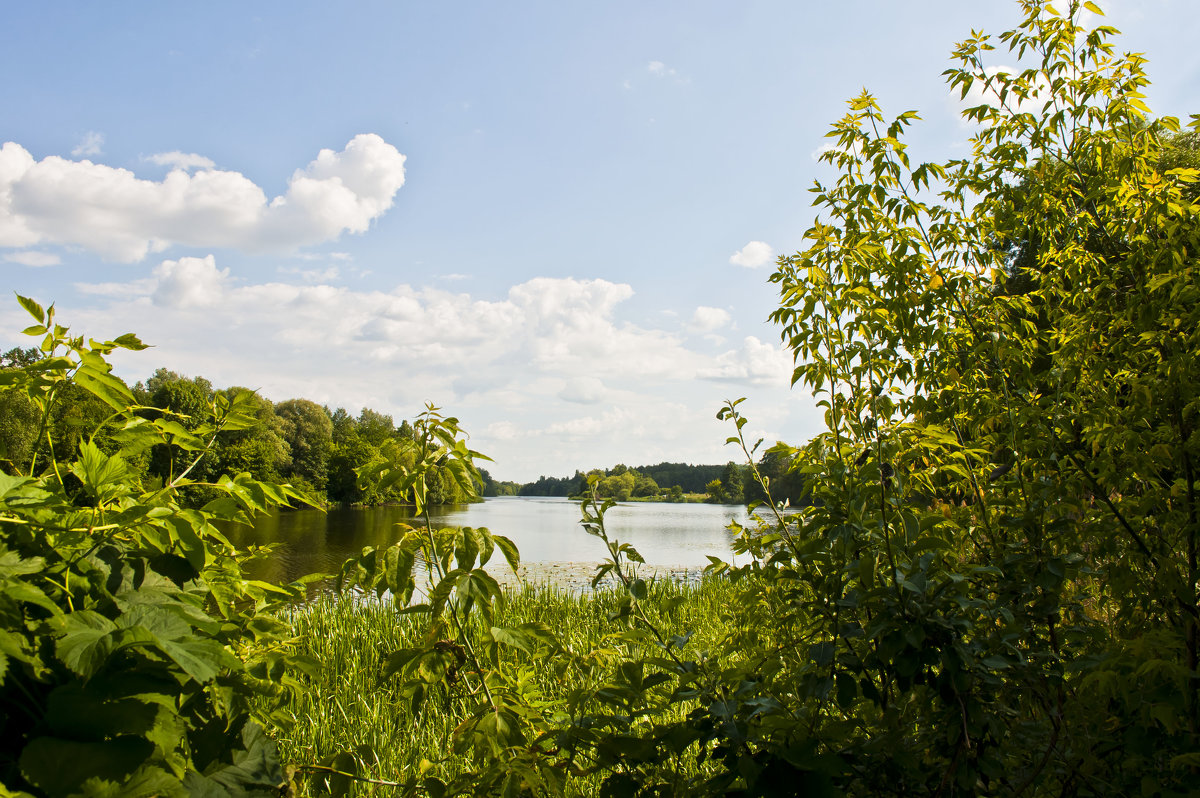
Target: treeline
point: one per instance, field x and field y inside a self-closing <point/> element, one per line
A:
<point x="317" y="450"/>
<point x="731" y="483"/>
<point x="321" y="451"/>
<point x="666" y="480"/>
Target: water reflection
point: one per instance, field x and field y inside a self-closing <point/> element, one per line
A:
<point x="546" y="530"/>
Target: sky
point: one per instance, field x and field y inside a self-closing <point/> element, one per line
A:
<point x="555" y="221"/>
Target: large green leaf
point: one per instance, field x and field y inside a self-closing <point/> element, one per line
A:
<point x="61" y="767"/>
<point x="86" y="643"/>
<point x="255" y="771"/>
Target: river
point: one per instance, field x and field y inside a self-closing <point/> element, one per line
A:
<point x="554" y="547"/>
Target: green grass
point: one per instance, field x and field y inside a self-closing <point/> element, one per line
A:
<point x="349" y="706"/>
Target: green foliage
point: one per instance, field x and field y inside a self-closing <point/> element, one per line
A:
<point x="350" y="712"/>
<point x="1004" y="505"/>
<point x="134" y="658"/>
<point x="990" y="588"/>
<point x="308" y="430"/>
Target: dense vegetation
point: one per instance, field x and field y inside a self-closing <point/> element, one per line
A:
<point x="990" y="588"/>
<point x="318" y="451"/>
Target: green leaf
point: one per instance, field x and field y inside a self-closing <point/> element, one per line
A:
<point x="60" y="767"/>
<point x="512" y="637"/>
<point x="509" y="549"/>
<point x="96" y="379"/>
<point x="256" y="771"/>
<point x="85" y="644"/>
<point x="130" y="341"/>
<point x="33" y="308"/>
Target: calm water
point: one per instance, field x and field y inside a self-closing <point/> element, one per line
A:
<point x="546" y="530"/>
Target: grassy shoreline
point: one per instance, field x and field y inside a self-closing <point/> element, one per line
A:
<point x="349" y="707"/>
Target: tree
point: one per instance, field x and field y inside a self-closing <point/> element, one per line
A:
<point x="260" y="449"/>
<point x="308" y="431"/>
<point x="186" y="401"/>
<point x="343" y="424"/>
<point x="715" y="491"/>
<point x="375" y="428"/>
<point x="1004" y="528"/>
<point x="644" y="486"/>
<point x="19" y="416"/>
<point x="731" y="483"/>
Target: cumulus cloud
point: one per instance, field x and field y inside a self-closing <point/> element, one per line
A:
<point x="547" y="377"/>
<point x="757" y="362"/>
<point x="189" y="283"/>
<point x="561" y="327"/>
<point x="615" y="421"/>
<point x="753" y="255"/>
<point x="114" y="213"/>
<point x="91" y="144"/>
<point x="31" y="257"/>
<point x="583" y="390"/>
<point x="181" y="160"/>
<point x="503" y="431"/>
<point x="706" y="319"/>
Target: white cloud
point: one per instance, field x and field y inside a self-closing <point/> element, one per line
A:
<point x="660" y="70"/>
<point x="181" y="160"/>
<point x="189" y="283"/>
<point x="706" y="319"/>
<point x="112" y="212"/>
<point x="757" y="362"/>
<point x="503" y="431"/>
<point x="583" y="390"/>
<point x="615" y="421"/>
<point x="547" y="378"/>
<point x="560" y="327"/>
<point x="311" y="276"/>
<point x="753" y="255"/>
<point x="32" y="257"/>
<point x="91" y="144"/>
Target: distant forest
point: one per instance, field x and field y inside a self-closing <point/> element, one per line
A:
<point x="730" y="483"/>
<point x="322" y="451"/>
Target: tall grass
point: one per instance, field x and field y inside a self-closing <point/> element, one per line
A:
<point x="349" y="707"/>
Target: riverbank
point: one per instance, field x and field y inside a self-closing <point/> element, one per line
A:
<point x="349" y="708"/>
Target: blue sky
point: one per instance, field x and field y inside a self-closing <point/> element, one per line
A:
<point x="554" y="220"/>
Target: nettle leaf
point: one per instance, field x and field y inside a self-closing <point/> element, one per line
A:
<point x="203" y="660"/>
<point x="61" y="767"/>
<point x="513" y="637"/>
<point x="103" y="477"/>
<point x="84" y="714"/>
<point x="86" y="643"/>
<point x="10" y="484"/>
<point x="256" y="771"/>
